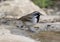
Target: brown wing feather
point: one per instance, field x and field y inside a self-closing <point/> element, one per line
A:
<point x="26" y="18"/>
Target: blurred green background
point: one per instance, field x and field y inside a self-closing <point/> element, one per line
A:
<point x="44" y="3"/>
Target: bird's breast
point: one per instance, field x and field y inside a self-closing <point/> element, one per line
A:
<point x="34" y="20"/>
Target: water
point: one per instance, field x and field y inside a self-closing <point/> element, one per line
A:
<point x="47" y="36"/>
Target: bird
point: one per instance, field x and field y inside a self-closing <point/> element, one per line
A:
<point x="31" y="19"/>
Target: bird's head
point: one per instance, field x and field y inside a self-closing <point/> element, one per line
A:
<point x="37" y="15"/>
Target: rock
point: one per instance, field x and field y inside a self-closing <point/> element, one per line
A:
<point x="18" y="8"/>
<point x="48" y="27"/>
<point x="50" y="11"/>
<point x="15" y="38"/>
<point x="7" y="36"/>
<point x="50" y="18"/>
<point x="4" y="32"/>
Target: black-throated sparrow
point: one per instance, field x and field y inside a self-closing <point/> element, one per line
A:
<point x="31" y="19"/>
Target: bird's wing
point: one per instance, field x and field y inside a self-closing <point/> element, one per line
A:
<point x="26" y="18"/>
